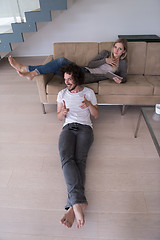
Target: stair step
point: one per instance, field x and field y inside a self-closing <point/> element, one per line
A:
<point x="24" y="27"/>
<point x="11" y="37"/>
<point x="7" y="38"/>
<point x="53" y="4"/>
<point x="37" y="16"/>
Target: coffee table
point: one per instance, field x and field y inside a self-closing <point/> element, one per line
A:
<point x="152" y="120"/>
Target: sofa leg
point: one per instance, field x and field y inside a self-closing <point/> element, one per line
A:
<point x="43" y="108"/>
<point x="123" y="109"/>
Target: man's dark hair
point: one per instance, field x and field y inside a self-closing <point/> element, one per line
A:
<point x="75" y="71"/>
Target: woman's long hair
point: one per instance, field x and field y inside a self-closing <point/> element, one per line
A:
<point x="124" y="43"/>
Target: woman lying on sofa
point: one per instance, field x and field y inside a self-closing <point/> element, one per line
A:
<point x="114" y="61"/>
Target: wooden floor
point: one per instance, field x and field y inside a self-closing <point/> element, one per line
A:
<point x="123" y="173"/>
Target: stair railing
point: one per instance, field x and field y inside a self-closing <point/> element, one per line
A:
<point x="20" y="16"/>
<point x="12" y="11"/>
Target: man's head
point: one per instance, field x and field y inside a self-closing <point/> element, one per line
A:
<point x="72" y="75"/>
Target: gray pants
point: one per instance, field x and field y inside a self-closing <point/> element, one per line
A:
<point x="74" y="143"/>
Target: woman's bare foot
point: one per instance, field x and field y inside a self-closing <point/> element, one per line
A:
<point x="68" y="218"/>
<point x="19" y="67"/>
<point x="79" y="213"/>
<point x="28" y="75"/>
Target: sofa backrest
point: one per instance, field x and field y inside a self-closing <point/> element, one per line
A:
<point x="79" y="53"/>
<point x="105" y="46"/>
<point x="136" y="57"/>
<point x="140" y="59"/>
<point x="153" y="59"/>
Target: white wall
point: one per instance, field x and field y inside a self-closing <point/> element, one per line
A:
<point x="92" y="20"/>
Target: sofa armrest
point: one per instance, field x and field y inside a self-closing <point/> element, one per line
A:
<point x="48" y="59"/>
<point x="42" y="81"/>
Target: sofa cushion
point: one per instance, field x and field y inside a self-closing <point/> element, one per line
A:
<point x="135" y="85"/>
<point x="93" y="86"/>
<point x="153" y="59"/>
<point x="57" y="84"/>
<point x="79" y="53"/>
<point x="155" y="81"/>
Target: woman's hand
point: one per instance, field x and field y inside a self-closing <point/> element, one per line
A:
<point x="117" y="80"/>
<point x="112" y="62"/>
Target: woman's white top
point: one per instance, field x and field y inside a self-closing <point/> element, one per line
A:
<point x="103" y="69"/>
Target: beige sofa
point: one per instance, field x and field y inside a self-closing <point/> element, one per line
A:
<point x="143" y="79"/>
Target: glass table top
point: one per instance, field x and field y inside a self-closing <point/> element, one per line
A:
<point x="153" y="123"/>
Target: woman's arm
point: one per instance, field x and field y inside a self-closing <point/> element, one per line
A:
<point x="122" y="70"/>
<point x="99" y="60"/>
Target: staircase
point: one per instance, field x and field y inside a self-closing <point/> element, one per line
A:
<point x="31" y="18"/>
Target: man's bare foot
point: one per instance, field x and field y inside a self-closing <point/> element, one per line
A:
<point x="19" y="67"/>
<point x="79" y="213"/>
<point x="68" y="218"/>
<point x="28" y="75"/>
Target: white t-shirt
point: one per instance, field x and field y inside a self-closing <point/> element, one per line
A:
<point x="73" y="101"/>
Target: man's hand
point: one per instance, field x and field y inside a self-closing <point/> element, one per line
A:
<point x="93" y="109"/>
<point x="85" y="103"/>
<point x="64" y="109"/>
